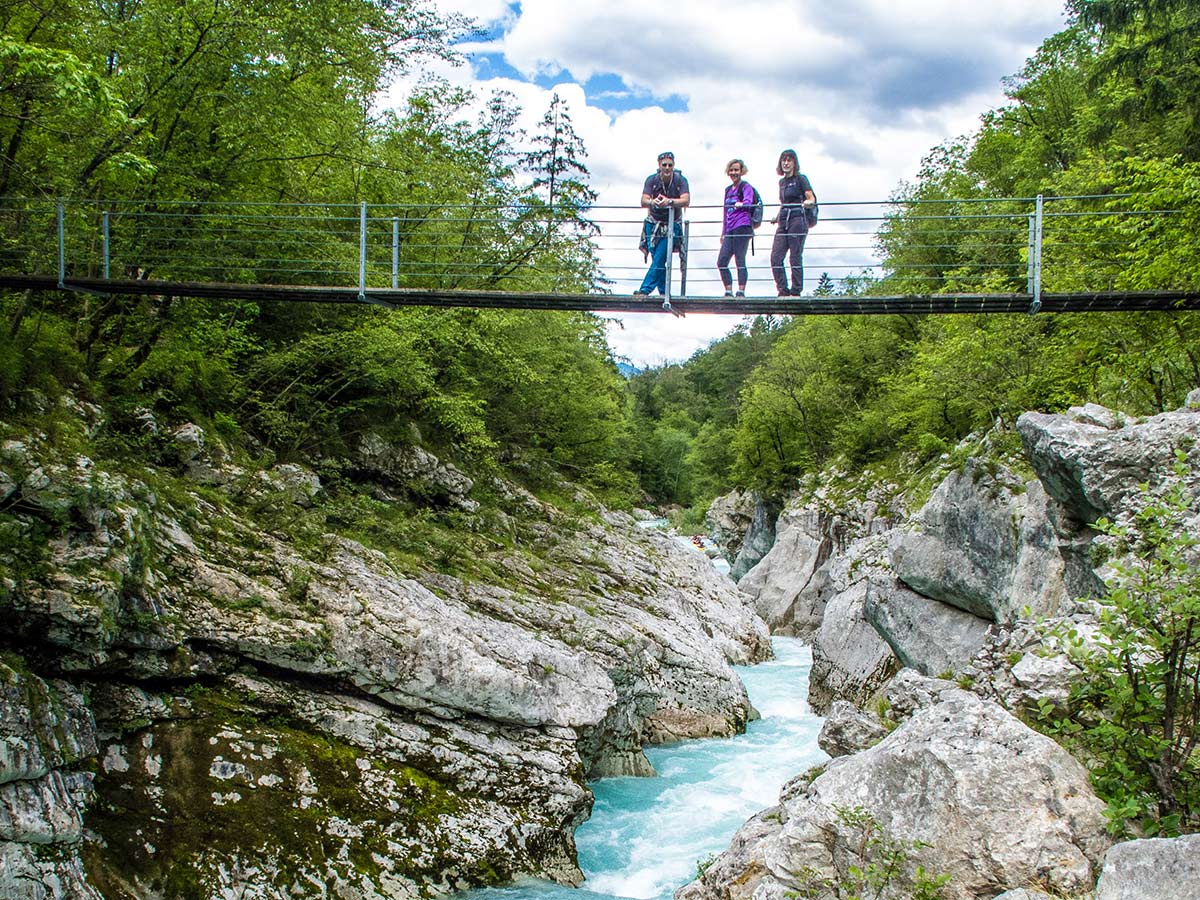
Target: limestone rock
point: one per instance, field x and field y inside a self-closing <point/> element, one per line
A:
<point x="1162" y="868"/>
<point x="414" y="470"/>
<point x="445" y="726"/>
<point x="1091" y="468"/>
<point x="728" y="519"/>
<point x="758" y="540"/>
<point x="850" y="660"/>
<point x="951" y="777"/>
<point x="985" y="543"/>
<point x="43" y="726"/>
<point x="926" y="635"/>
<point x="848" y="729"/>
<point x="43" y="811"/>
<point x="779" y="579"/>
<point x="28" y="873"/>
<point x="793" y="582"/>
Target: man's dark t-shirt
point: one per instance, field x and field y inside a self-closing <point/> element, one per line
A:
<point x="675" y="188"/>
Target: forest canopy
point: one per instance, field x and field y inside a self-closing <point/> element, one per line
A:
<point x="184" y="105"/>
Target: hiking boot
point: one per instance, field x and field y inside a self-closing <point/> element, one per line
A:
<point x="729" y="293"/>
<point x="640" y="293"/>
<point x="740" y="294"/>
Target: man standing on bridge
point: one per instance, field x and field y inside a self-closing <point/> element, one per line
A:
<point x="664" y="190"/>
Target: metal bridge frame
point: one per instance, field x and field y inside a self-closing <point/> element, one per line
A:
<point x="395" y="298"/>
<point x="1032" y="301"/>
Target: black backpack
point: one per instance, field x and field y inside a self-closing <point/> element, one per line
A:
<point x="756" y="209"/>
<point x="811" y="213"/>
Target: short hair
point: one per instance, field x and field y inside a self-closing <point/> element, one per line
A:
<point x="666" y="154"/>
<point x="740" y="162"/>
<point x="782" y="157"/>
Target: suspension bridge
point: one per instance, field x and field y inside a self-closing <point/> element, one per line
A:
<point x="537" y="257"/>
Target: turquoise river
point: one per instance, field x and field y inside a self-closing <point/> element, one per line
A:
<point x="646" y="836"/>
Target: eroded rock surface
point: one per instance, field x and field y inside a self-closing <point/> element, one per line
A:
<point x="269" y="716"/>
<point x="999" y="807"/>
<point x="1162" y="868"/>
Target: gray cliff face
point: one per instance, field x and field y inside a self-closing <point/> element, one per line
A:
<point x="983" y="543"/>
<point x="793" y="580"/>
<point x="1006" y="812"/>
<point x="284" y="721"/>
<point x="985" y="549"/>
<point x="758" y="538"/>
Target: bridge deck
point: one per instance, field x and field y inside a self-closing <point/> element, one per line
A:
<point x="1096" y="301"/>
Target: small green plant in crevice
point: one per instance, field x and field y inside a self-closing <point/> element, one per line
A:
<point x="1133" y="718"/>
<point x="878" y="865"/>
<point x="703" y="865"/>
<point x="883" y="712"/>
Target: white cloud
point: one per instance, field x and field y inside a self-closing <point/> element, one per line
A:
<point x="862" y="89"/>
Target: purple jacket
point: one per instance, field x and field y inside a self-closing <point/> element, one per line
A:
<point x="737" y="218"/>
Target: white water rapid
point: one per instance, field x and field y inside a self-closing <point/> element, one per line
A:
<point x="646" y="836"/>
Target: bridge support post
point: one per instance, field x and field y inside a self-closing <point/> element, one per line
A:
<point x="62" y="250"/>
<point x="670" y="253"/>
<point x="395" y="252"/>
<point x="683" y="260"/>
<point x="1029" y="256"/>
<point x="1035" y="256"/>
<point x="362" y="251"/>
<point x="104" y="238"/>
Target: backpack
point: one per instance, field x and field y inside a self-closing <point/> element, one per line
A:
<point x="811" y="213"/>
<point x="756" y="208"/>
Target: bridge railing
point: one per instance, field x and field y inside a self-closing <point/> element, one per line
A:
<point x="1005" y="244"/>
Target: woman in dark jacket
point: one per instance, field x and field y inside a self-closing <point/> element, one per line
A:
<point x="795" y="193"/>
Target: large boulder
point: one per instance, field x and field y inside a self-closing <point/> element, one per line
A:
<point x="847" y="729"/>
<point x="1091" y="458"/>
<point x="850" y="660"/>
<point x="926" y="635"/>
<point x="782" y="583"/>
<point x="1161" y="868"/>
<point x="984" y="543"/>
<point x="962" y="787"/>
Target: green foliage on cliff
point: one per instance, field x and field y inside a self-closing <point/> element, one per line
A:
<point x="1134" y="718"/>
<point x="1103" y="113"/>
<point x="188" y="106"/>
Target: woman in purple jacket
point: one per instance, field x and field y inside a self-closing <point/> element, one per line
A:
<point x="736" y="227"/>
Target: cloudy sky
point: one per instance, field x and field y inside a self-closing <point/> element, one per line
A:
<point x="862" y="89"/>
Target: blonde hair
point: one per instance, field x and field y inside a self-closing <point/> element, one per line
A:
<point x="739" y="162"/>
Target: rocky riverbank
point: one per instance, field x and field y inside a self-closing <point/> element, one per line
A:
<point x="196" y="702"/>
<point x="929" y="649"/>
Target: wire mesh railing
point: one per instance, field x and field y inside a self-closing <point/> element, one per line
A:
<point x="914" y="247"/>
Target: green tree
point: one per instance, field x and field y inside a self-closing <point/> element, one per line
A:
<point x="825" y="286"/>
